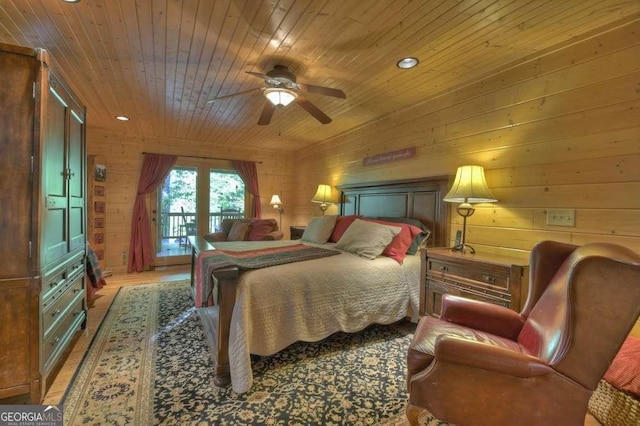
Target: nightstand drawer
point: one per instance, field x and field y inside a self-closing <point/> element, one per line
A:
<point x="437" y="289"/>
<point x="491" y="277"/>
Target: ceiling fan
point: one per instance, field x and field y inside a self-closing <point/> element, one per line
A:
<point x="282" y="89"/>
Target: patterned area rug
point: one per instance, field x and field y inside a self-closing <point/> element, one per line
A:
<point x="149" y="364"/>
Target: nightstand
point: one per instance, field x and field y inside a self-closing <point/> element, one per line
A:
<point x="491" y="278"/>
<point x="296" y="232"/>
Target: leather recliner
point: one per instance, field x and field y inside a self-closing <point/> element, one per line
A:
<point x="483" y="364"/>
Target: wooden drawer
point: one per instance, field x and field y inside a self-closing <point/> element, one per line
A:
<point x="492" y="277"/>
<point x="55" y="279"/>
<point x="55" y="307"/>
<point x="436" y="289"/>
<point x="60" y="336"/>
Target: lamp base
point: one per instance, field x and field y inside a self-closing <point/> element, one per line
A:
<point x="464" y="248"/>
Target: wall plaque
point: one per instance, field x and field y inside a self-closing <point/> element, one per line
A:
<point x="388" y="157"/>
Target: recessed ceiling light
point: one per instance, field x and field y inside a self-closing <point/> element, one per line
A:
<point x="122" y="118"/>
<point x="406" y="63"/>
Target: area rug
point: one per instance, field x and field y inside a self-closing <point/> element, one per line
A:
<point x="149" y="364"/>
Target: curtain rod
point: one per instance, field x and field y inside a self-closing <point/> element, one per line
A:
<point x="202" y="158"/>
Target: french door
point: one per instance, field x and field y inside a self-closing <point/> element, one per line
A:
<point x="189" y="203"/>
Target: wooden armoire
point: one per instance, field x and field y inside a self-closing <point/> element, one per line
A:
<point x="42" y="221"/>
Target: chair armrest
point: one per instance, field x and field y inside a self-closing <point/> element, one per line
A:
<point x="273" y="235"/>
<point x="216" y="236"/>
<point x="494" y="319"/>
<point x="488" y="357"/>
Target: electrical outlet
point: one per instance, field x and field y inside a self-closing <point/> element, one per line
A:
<point x="561" y="217"/>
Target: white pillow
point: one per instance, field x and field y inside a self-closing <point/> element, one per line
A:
<point x="319" y="229"/>
<point x="367" y="239"/>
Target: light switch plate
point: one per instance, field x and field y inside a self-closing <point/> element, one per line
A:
<point x="561" y="217"/>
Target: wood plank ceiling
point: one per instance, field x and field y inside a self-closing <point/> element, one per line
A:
<point x="159" y="61"/>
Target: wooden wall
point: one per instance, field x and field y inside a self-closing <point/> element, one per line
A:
<point x="122" y="153"/>
<point x="560" y="130"/>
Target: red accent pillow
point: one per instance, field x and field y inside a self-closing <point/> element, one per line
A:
<point x="342" y="223"/>
<point x="260" y="228"/>
<point x="624" y="371"/>
<point x="397" y="248"/>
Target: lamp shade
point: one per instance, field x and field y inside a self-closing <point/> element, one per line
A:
<point x="280" y="97"/>
<point x="323" y="194"/>
<point x="275" y="201"/>
<point x="469" y="186"/>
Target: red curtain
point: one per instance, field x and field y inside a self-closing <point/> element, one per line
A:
<point x="155" y="169"/>
<point x="247" y="171"/>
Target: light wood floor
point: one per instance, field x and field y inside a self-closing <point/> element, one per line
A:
<point x="98" y="308"/>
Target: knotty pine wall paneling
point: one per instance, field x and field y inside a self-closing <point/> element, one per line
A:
<point x="123" y="153"/>
<point x="559" y="130"/>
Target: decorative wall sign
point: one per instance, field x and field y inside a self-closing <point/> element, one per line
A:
<point x="98" y="222"/>
<point x="388" y="157"/>
<point x="99" y="206"/>
<point x="98" y="238"/>
<point x="100" y="172"/>
<point x="98" y="190"/>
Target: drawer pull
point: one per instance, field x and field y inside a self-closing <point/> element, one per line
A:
<point x="54" y="313"/>
<point x="489" y="279"/>
<point x="443" y="268"/>
<point x="76" y="290"/>
<point x="76" y="313"/>
<point x="56" y="283"/>
<point x="55" y="341"/>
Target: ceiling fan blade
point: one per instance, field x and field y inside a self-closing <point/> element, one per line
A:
<point x="313" y="110"/>
<point x="233" y="95"/>
<point x="267" y="113"/>
<point x="327" y="91"/>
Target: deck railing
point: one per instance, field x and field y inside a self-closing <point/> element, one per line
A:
<point x="173" y="226"/>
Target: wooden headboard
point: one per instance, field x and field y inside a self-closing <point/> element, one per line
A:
<point x="420" y="199"/>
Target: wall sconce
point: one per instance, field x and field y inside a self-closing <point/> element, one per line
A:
<point x="277" y="204"/>
<point x="468" y="187"/>
<point x="323" y="196"/>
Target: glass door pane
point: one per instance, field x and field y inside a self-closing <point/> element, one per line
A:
<point x="176" y="216"/>
<point x="226" y="197"/>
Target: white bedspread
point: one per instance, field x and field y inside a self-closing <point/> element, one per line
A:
<point x="310" y="300"/>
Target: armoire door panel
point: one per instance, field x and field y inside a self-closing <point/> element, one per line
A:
<point x="55" y="151"/>
<point x="76" y="161"/>
<point x="16" y="148"/>
<point x="55" y="236"/>
<point x="76" y="227"/>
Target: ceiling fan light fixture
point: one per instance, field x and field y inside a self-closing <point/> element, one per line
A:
<point x="408" y="62"/>
<point x="280" y="97"/>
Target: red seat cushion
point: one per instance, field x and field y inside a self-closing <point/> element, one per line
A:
<point x="422" y="348"/>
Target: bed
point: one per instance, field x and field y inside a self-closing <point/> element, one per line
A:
<point x="261" y="311"/>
